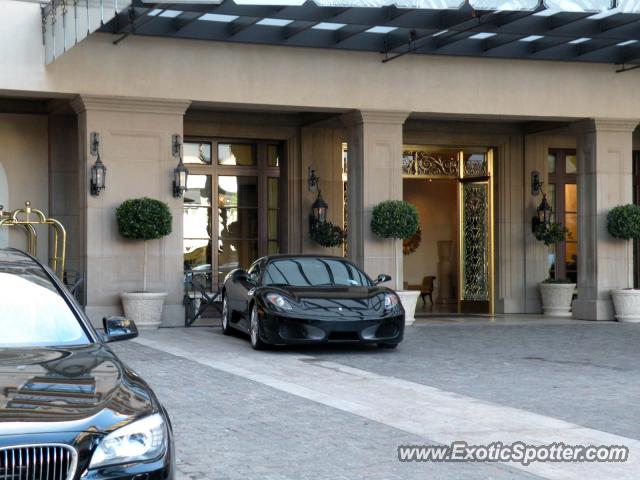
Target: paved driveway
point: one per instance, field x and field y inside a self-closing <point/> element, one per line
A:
<point x="341" y="412"/>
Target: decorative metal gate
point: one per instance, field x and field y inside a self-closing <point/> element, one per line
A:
<point x="473" y="169"/>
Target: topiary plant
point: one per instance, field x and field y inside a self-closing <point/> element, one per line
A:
<point x="328" y="235"/>
<point x="551" y="233"/>
<point x="143" y="219"/>
<point x="623" y="222"/>
<point x="394" y="219"/>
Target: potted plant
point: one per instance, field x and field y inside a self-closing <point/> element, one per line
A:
<point x="556" y="294"/>
<point x="398" y="220"/>
<point x="623" y="222"/>
<point x="328" y="235"/>
<point x="144" y="219"/>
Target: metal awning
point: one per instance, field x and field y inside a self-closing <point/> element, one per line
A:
<point x="566" y="30"/>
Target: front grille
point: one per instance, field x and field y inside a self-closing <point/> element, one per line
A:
<point x="344" y="336"/>
<point x="37" y="462"/>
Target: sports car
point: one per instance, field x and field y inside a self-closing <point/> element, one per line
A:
<point x="301" y="299"/>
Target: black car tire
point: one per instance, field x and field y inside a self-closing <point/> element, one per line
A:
<point x="254" y="330"/>
<point x="387" y="345"/>
<point x="226" y="317"/>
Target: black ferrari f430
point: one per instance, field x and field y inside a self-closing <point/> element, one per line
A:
<point x="301" y="299"/>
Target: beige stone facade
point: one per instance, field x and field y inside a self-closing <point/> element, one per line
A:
<point x="138" y="94"/>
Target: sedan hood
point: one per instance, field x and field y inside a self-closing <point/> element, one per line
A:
<point x="68" y="389"/>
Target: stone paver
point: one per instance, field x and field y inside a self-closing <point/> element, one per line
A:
<point x="228" y="427"/>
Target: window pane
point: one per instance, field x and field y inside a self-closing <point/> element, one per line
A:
<point x="272" y="187"/>
<point x="571" y="164"/>
<point x="196" y="222"/>
<point x="199" y="153"/>
<point x="238" y="223"/>
<point x="235" y="254"/>
<point x="272" y="225"/>
<point x="274" y="248"/>
<point x="198" y="190"/>
<point x="551" y="163"/>
<point x="571" y="197"/>
<point x="551" y="198"/>
<point x="237" y="191"/>
<point x="578" y="5"/>
<point x="551" y="261"/>
<point x="273" y="156"/>
<point x="571" y="260"/>
<point x="236" y="154"/>
<point x="196" y="253"/>
<point x="571" y="222"/>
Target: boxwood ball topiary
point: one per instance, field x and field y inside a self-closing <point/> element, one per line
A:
<point x="143" y="219"/>
<point x="623" y="221"/>
<point x="394" y="219"/>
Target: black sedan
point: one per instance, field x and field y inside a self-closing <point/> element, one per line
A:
<point x="69" y="408"/>
<point x="298" y="299"/>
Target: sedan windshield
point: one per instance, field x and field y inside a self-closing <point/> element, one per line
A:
<point x="313" y="272"/>
<point x="32" y="311"/>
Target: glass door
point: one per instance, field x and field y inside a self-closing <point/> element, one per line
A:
<point x="476" y="233"/>
<point x="232" y="205"/>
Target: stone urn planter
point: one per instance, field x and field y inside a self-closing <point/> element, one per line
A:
<point x="409" y="300"/>
<point x="556" y="298"/>
<point x="144" y="308"/>
<point x="143" y="219"/>
<point x="626" y="304"/>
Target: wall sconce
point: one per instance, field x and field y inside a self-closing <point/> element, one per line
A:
<point x="543" y="211"/>
<point x="98" y="170"/>
<point x="313" y="180"/>
<point x="180" y="173"/>
<point x="318" y="212"/>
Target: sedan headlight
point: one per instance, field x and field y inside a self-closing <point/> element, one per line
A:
<point x="142" y="440"/>
<point x="391" y="301"/>
<point x="278" y="300"/>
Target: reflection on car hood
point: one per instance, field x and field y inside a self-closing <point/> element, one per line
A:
<point x="68" y="389"/>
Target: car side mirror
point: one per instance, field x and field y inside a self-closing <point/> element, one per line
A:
<point x="242" y="276"/>
<point x="383" y="277"/>
<point x="117" y="329"/>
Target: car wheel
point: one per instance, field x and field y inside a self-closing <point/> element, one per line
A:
<point x="254" y="331"/>
<point x="226" y="316"/>
<point x="388" y="345"/>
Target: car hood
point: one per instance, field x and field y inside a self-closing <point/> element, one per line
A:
<point x="343" y="300"/>
<point x="69" y="389"/>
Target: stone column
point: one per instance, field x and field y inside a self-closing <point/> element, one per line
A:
<point x="604" y="148"/>
<point x="135" y="146"/>
<point x="374" y="174"/>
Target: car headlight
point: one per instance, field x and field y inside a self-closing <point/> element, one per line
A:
<point x="278" y="300"/>
<point x="391" y="301"/>
<point x="142" y="440"/>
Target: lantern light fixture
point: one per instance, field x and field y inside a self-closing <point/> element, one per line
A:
<point x="98" y="169"/>
<point x="543" y="212"/>
<point x="180" y="173"/>
<point x="318" y="212"/>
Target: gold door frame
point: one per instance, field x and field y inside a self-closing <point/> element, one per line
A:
<point x="431" y="163"/>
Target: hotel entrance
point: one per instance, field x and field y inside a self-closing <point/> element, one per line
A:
<point x="450" y="258"/>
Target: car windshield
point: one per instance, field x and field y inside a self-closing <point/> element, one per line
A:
<point x="32" y="311"/>
<point x="313" y="272"/>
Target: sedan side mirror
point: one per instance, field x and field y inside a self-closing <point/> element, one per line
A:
<point x="118" y="328"/>
<point x="383" y="277"/>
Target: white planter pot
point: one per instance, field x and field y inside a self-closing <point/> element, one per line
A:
<point x="627" y="305"/>
<point x="144" y="308"/>
<point x="556" y="298"/>
<point x="409" y="300"/>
